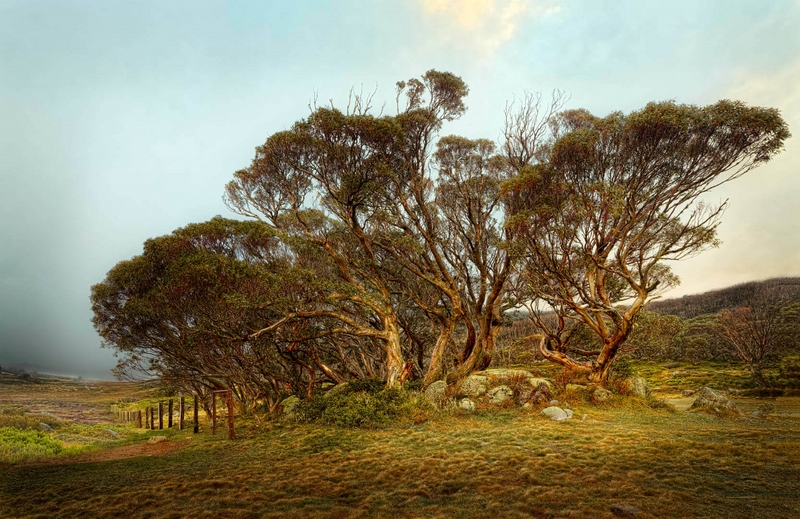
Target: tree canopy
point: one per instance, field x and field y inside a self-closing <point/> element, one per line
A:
<point x="377" y="247"/>
<point x="616" y="199"/>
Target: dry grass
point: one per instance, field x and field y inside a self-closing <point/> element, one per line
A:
<point x="68" y="399"/>
<point x="683" y="375"/>
<point x="510" y="464"/>
<point x="495" y="464"/>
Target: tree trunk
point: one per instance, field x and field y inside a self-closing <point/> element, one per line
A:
<point x="600" y="372"/>
<point x="479" y="352"/>
<point x="601" y="367"/>
<point x="437" y="356"/>
<point x="394" y="352"/>
<point x="489" y="344"/>
<point x="758" y="375"/>
<point x="469" y="344"/>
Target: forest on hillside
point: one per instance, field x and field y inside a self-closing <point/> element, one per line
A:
<point x="755" y="323"/>
<point x="714" y="301"/>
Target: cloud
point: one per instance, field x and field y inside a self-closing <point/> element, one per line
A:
<point x="778" y="90"/>
<point x="482" y="26"/>
<point x="759" y="231"/>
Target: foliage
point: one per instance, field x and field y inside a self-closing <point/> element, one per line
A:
<point x="616" y="198"/>
<point x="363" y="406"/>
<point x="364" y="385"/>
<point x="353" y="188"/>
<point x="378" y="248"/>
<point x="789" y="372"/>
<point x="620" y="372"/>
<point x="753" y="333"/>
<point x="202" y="309"/>
<point x="17" y="445"/>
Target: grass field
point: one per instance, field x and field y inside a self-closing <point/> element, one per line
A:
<point x="510" y="463"/>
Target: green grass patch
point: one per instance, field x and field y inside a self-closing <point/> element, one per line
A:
<point x="17" y="445"/>
<point x="684" y="375"/>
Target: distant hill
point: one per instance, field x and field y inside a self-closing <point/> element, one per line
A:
<point x="736" y="296"/>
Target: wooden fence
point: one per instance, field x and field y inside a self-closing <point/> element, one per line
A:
<point x="153" y="416"/>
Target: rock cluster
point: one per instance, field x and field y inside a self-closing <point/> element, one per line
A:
<point x="466" y="404"/>
<point x="499" y="394"/>
<point x="474" y="386"/>
<point x="601" y="395"/>
<point x="637" y="386"/>
<point x="436" y="392"/>
<point x="557" y="413"/>
<point x="624" y="510"/>
<point x="710" y="400"/>
<point x="495" y="387"/>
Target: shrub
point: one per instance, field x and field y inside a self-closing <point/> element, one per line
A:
<point x="566" y="376"/>
<point x="618" y="377"/>
<point x="789" y="372"/>
<point x="520" y="385"/>
<point x="366" y="385"/>
<point x="359" y="405"/>
<point x="17" y="445"/>
<point x="413" y="385"/>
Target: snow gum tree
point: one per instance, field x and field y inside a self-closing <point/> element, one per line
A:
<point x="353" y="186"/>
<point x="597" y="221"/>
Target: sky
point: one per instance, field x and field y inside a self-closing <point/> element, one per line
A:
<point x="123" y="121"/>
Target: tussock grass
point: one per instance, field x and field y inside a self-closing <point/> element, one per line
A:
<point x="494" y="463"/>
<point x="16" y="416"/>
<point x="488" y="464"/>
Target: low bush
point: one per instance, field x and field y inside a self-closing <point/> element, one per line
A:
<point x="566" y="376"/>
<point x="17" y="445"/>
<point x="363" y="404"/>
<point x="620" y="372"/>
<point x="789" y="372"/>
<point x="413" y="385"/>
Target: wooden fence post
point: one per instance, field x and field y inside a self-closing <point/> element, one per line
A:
<point x="213" y="412"/>
<point x="231" y="434"/>
<point x="160" y="415"/>
<point x="169" y="418"/>
<point x="196" y="425"/>
<point x="139" y="418"/>
<point x="180" y="418"/>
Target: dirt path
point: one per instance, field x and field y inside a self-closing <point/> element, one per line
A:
<point x="114" y="453"/>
